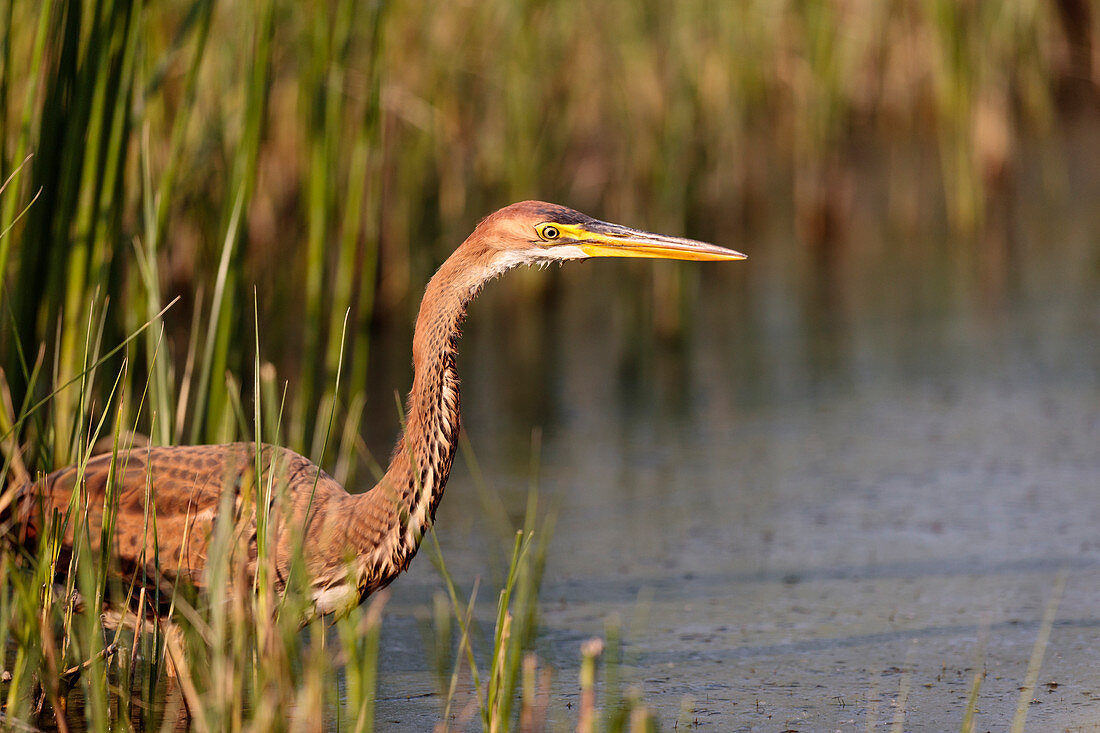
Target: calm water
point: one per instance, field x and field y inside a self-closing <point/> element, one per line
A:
<point x="853" y="483"/>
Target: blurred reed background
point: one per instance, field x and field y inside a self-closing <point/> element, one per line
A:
<point x="278" y="165"/>
<point x="329" y="159"/>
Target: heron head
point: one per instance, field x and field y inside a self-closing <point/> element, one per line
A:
<point x="535" y="232"/>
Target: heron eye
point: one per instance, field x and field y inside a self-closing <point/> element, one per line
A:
<point x="550" y="232"/>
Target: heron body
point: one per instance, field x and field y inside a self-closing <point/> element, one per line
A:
<point x="351" y="544"/>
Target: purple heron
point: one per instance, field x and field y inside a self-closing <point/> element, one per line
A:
<point x="352" y="545"/>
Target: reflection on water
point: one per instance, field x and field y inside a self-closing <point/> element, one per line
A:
<point x="810" y="508"/>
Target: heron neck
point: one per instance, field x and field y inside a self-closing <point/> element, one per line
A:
<point x="401" y="508"/>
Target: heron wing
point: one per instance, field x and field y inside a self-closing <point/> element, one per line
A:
<point x="161" y="504"/>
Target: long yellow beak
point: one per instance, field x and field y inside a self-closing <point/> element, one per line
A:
<point x="601" y="239"/>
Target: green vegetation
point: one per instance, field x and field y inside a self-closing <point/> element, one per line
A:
<point x="329" y="160"/>
<point x="236" y="658"/>
<point x="193" y="188"/>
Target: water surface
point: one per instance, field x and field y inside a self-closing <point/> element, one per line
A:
<point x="857" y="479"/>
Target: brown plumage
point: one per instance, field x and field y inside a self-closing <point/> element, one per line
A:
<point x="352" y="544"/>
